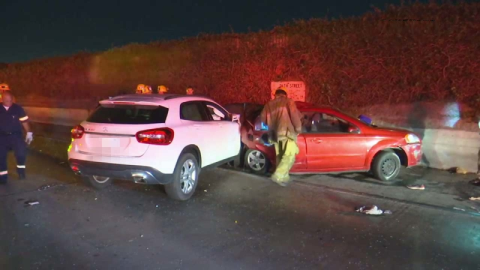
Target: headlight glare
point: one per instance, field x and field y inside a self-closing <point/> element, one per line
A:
<point x="412" y="138"/>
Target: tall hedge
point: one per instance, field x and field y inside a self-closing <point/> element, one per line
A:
<point x="427" y="52"/>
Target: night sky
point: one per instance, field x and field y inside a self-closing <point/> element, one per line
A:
<point x="33" y="29"/>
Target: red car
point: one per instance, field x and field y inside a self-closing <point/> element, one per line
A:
<point x="331" y="142"/>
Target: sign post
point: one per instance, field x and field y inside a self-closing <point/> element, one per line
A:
<point x="295" y="89"/>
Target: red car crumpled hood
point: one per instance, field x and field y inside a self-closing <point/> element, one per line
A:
<point x="390" y="131"/>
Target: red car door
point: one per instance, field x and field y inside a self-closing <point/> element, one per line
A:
<point x="333" y="144"/>
<point x="301" y="158"/>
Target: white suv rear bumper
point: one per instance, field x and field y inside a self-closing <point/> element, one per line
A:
<point x="162" y="161"/>
<point x="137" y="174"/>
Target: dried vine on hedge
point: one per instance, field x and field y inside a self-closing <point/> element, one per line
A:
<point x="377" y="58"/>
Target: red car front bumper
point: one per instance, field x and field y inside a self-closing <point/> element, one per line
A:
<point x="414" y="153"/>
<point x="250" y="139"/>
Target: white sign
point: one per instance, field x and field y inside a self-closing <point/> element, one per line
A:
<point x="295" y="90"/>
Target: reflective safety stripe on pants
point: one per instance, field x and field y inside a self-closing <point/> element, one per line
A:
<point x="3" y="176"/>
<point x="286" y="151"/>
<point x="19" y="147"/>
<point x="21" y="170"/>
<point x="3" y="162"/>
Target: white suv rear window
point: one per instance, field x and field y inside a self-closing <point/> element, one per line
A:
<point x="129" y="114"/>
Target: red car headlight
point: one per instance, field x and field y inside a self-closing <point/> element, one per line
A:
<point x="412" y="138"/>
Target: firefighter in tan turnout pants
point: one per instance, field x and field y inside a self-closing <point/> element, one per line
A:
<point x="284" y="124"/>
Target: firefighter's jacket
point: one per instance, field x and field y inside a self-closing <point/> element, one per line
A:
<point x="282" y="118"/>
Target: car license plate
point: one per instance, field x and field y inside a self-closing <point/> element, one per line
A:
<point x="110" y="142"/>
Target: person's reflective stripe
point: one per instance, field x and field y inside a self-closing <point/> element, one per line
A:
<point x="21" y="166"/>
<point x="3" y="172"/>
<point x="23" y="119"/>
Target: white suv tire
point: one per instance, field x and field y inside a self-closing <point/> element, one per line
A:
<point x="98" y="182"/>
<point x="184" y="178"/>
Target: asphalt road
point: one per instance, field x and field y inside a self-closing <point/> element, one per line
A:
<point x="238" y="221"/>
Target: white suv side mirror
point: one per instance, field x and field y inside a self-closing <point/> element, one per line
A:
<point x="235" y="117"/>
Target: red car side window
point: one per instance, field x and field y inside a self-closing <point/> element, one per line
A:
<point x="325" y="123"/>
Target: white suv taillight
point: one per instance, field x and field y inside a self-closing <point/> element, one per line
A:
<point x="160" y="136"/>
<point x="77" y="132"/>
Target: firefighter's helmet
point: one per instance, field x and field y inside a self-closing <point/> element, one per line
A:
<point x="140" y="88"/>
<point x="4" y="87"/>
<point x="147" y="90"/>
<point x="189" y="91"/>
<point x="162" y="89"/>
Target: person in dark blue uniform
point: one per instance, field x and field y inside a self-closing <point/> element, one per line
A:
<point x="12" y="118"/>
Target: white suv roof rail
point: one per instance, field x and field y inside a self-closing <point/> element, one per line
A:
<point x="152" y="97"/>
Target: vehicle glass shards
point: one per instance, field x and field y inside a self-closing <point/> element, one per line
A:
<point x="129" y="114"/>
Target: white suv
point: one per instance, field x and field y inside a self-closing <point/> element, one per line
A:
<point x="154" y="139"/>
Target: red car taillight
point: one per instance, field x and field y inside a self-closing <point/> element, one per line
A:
<point x="77" y="132"/>
<point x="160" y="136"/>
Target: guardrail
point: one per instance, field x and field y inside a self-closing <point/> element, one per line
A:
<point x="445" y="149"/>
<point x="442" y="148"/>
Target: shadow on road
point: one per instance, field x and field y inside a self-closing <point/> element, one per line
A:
<point x="405" y="178"/>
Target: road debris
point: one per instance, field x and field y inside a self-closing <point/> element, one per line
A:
<point x="374" y="210"/>
<point x="474" y="208"/>
<point x="474" y="199"/>
<point x="416" y="187"/>
<point x="205" y="190"/>
<point x="45" y="187"/>
<point x="30" y="203"/>
<point x="475" y="182"/>
<point x="459" y="209"/>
